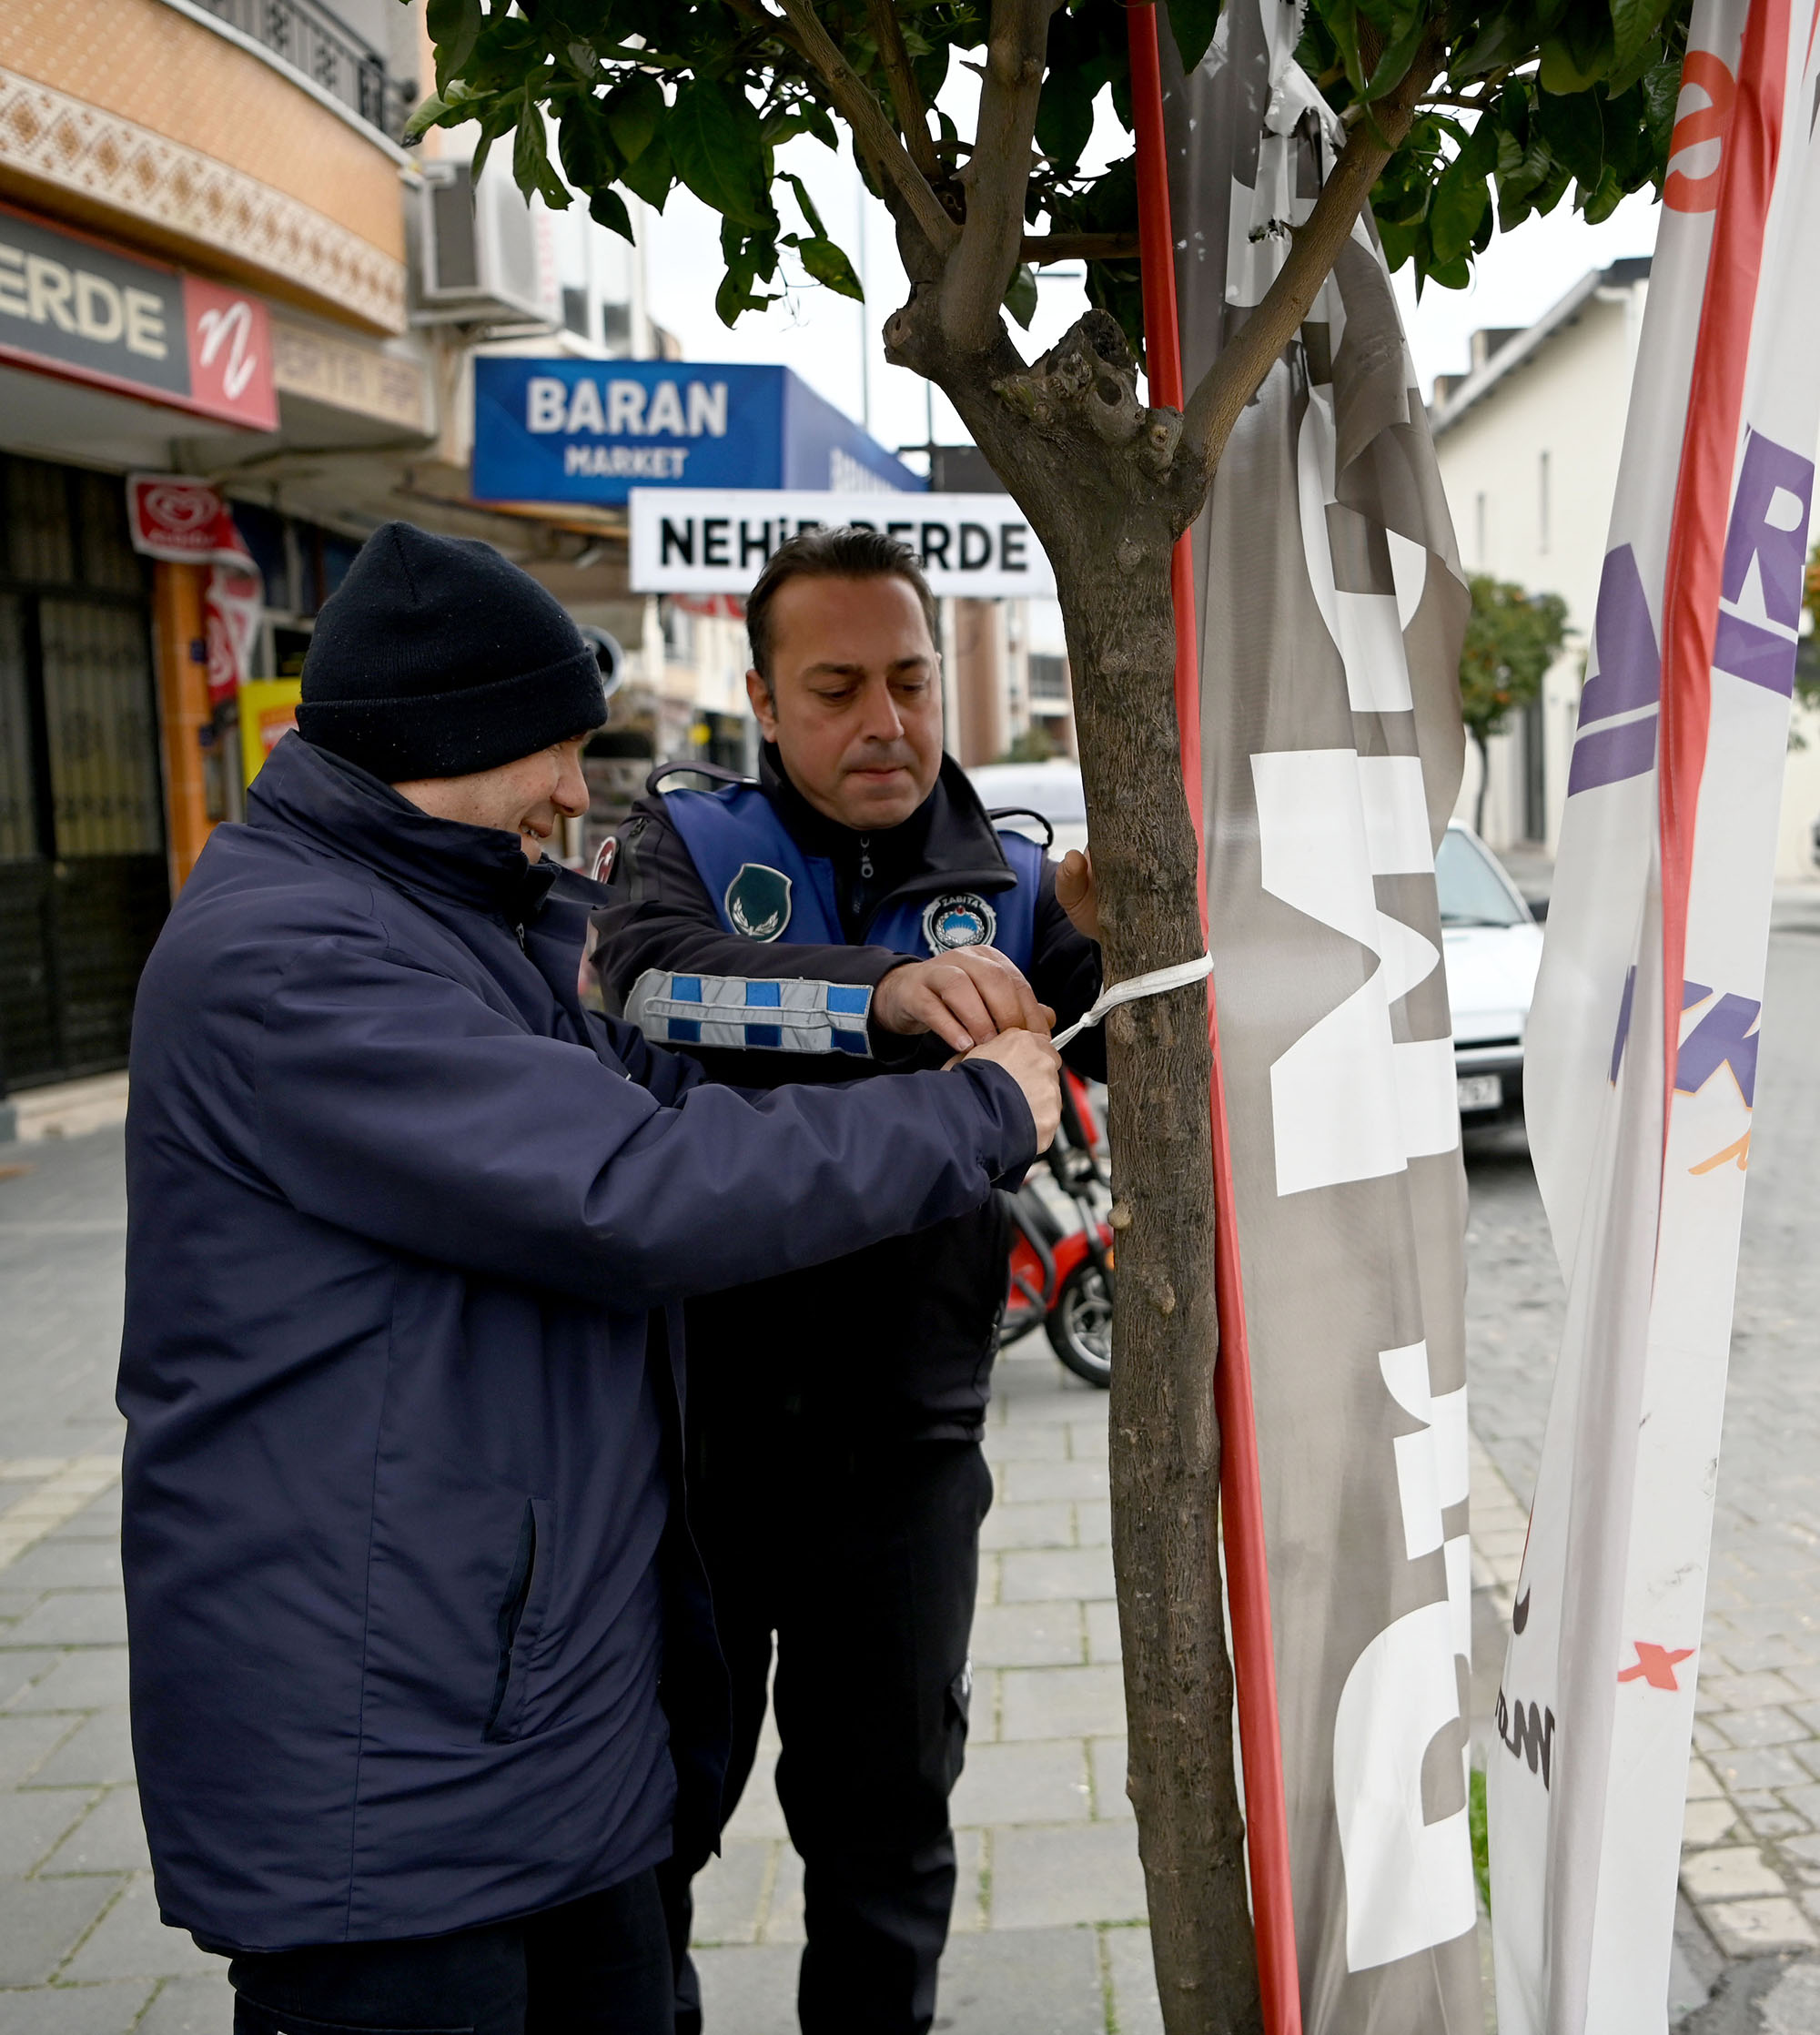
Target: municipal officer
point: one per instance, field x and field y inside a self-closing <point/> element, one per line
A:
<point x="851" y="913"/>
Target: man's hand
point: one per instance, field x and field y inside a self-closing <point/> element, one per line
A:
<point x="1073" y="892"/>
<point x="1036" y="1068"/>
<point x="965" y="997"/>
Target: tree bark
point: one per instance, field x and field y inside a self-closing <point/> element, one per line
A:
<point x="1108" y="486"/>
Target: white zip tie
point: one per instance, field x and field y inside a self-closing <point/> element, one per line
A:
<point x="1158" y="982"/>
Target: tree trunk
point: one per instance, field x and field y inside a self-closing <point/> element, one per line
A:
<point x="1165" y="1438"/>
<point x="1484" y="782"/>
<point x="1100" y="479"/>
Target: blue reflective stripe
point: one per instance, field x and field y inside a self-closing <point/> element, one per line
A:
<point x="711" y="1010"/>
<point x="770" y="1036"/>
<point x="686" y="988"/>
<point x="848" y="1001"/>
<point x="852" y="1042"/>
<point x="684" y="1031"/>
<point x="768" y="994"/>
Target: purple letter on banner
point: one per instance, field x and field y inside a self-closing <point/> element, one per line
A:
<point x="1624" y="641"/>
<point x="1606" y="754"/>
<point x="1758" y="656"/>
<point x="1778" y="543"/>
<point x="1722" y="1038"/>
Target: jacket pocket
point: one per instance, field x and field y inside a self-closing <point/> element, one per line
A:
<point x="521" y="1617"/>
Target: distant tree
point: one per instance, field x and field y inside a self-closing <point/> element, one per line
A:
<point x="1807" y="656"/>
<point x="1511" y="639"/>
<point x="1033" y="745"/>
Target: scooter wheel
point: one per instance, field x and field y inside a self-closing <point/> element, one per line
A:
<point x="1079" y="1325"/>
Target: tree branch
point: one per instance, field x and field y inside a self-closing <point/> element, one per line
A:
<point x="1079" y="246"/>
<point x="873" y="133"/>
<point x="913" y="115"/>
<point x="998" y="174"/>
<point x="1235" y="377"/>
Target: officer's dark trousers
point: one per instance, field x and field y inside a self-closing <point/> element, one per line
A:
<point x="864" y="1565"/>
<point x="598" y="1966"/>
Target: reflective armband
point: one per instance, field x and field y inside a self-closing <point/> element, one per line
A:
<point x="750" y="1014"/>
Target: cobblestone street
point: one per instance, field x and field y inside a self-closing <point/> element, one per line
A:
<point x="1048" y="1937"/>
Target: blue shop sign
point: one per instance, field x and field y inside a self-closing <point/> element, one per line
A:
<point x="592" y="431"/>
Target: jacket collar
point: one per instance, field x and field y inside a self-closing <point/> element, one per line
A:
<point x="351" y="815"/>
<point x="947" y="843"/>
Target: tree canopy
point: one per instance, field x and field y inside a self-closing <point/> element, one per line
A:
<point x="1494" y="113"/>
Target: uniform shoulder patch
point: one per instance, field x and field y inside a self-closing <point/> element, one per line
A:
<point x="757" y="902"/>
<point x="963" y="918"/>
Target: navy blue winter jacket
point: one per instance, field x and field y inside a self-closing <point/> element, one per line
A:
<point x="413" y="1622"/>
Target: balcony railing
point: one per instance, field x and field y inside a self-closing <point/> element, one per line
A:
<point x="319" y="46"/>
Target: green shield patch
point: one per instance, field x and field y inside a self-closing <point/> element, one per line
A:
<point x="757" y="903"/>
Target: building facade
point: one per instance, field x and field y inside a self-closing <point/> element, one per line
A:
<point x="1528" y="441"/>
<point x="217" y="261"/>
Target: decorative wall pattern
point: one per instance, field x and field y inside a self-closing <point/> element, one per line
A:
<point x="116" y="165"/>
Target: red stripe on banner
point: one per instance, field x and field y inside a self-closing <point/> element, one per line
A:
<point x="1247" y="1580"/>
<point x="1702" y="492"/>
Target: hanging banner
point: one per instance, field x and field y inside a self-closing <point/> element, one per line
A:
<point x="1642" y="1037"/>
<point x="1331" y="609"/>
<point x="187" y="522"/>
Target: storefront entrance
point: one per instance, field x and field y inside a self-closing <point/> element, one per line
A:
<point x="84" y="883"/>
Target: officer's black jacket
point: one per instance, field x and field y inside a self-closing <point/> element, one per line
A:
<point x="897" y="1340"/>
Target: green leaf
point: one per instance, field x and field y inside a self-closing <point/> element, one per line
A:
<point x="807" y="205"/>
<point x="1393" y="65"/>
<point x="1571" y="125"/>
<point x="1020" y="296"/>
<point x="432" y="113"/>
<point x="1459" y="203"/>
<point x="826" y="263"/>
<point x="634" y="111"/>
<point x="454" y="28"/>
<point x="1065" y="113"/>
<point x="649" y="175"/>
<point x="719" y="151"/>
<point x="532" y="168"/>
<point x="1633" y="26"/>
<point x="608" y="209"/>
<point x="1341" y="17"/>
<point x="1193" y="23"/>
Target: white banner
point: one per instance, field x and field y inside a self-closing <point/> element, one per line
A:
<point x="1641" y="1046"/>
<point x="717" y="540"/>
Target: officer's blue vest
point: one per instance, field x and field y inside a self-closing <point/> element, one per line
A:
<point x="765" y="888"/>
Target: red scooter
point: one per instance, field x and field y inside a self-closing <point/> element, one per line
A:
<point x="1062" y="1276"/>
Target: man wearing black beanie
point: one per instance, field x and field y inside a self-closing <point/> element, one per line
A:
<point x="424" y="1675"/>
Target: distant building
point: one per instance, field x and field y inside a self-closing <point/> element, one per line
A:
<point x="1528" y="441"/>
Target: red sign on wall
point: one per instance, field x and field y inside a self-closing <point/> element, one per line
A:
<point x="77" y="308"/>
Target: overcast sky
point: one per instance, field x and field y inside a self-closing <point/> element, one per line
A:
<point x="837" y="348"/>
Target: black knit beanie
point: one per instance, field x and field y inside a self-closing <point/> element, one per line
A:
<point x="436" y="657"/>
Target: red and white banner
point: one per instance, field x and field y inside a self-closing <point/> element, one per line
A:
<point x="1642" y="1040"/>
<point x="187" y="522"/>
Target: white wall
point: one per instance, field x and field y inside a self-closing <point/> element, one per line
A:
<point x="1559" y="414"/>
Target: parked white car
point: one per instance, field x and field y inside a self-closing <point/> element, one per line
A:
<point x="1052" y="789"/>
<point x="1494" y="950"/>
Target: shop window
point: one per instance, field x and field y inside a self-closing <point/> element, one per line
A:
<point x="104" y="546"/>
<point x="263" y="533"/>
<point x="99" y="722"/>
<point x="337" y="554"/>
<point x="18" y="801"/>
<point x="38" y="543"/>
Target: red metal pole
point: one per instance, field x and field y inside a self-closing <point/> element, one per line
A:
<point x="1247" y="1580"/>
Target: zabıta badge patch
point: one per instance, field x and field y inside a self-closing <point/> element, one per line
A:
<point x="757" y="902"/>
<point x="962" y="919"/>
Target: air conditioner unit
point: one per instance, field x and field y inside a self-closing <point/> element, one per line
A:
<point x="482" y="262"/>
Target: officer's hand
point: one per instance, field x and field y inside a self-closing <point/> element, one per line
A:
<point x="965" y="997"/>
<point x="1075" y="893"/>
<point x="1036" y="1068"/>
